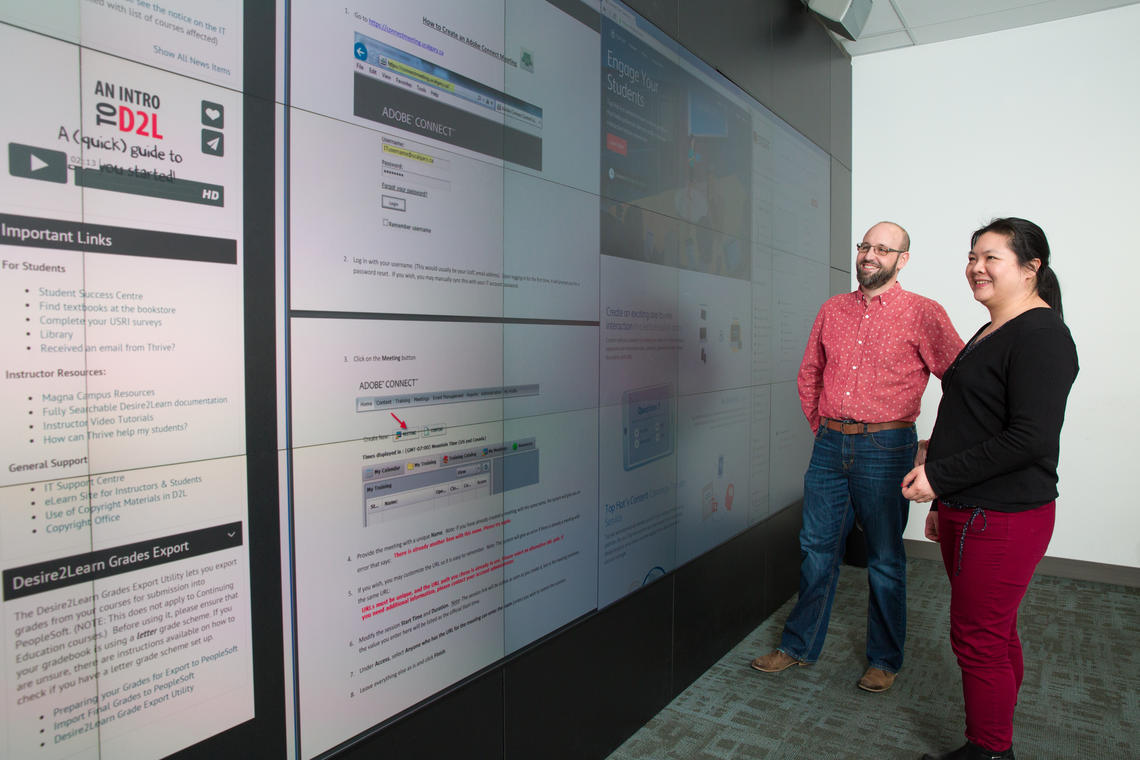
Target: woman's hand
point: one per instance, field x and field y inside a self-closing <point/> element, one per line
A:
<point x="931" y="530"/>
<point x="916" y="487"/>
<point x="920" y="455"/>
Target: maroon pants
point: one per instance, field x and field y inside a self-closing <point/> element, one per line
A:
<point x="989" y="573"/>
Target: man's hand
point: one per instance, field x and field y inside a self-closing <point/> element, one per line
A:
<point x="916" y="487"/>
<point x="931" y="530"/>
<point x="920" y="455"/>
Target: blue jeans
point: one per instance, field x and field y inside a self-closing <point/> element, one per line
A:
<point x="854" y="477"/>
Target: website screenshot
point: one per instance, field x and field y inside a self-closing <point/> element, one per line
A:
<point x="125" y="624"/>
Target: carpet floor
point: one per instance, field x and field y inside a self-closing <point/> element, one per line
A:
<point x="1080" y="697"/>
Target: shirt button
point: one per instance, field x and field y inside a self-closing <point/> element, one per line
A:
<point x="860" y="342"/>
<point x="848" y="393"/>
<point x="853" y="367"/>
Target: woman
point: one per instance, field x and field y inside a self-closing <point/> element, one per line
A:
<point x="991" y="469"/>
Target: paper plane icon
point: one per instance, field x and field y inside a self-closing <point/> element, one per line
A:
<point x="213" y="142"/>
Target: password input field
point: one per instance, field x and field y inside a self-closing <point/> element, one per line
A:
<point x="400" y="180"/>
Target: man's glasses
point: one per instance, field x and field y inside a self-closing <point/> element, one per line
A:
<point x="880" y="250"/>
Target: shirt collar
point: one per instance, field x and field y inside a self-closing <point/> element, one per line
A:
<point x="885" y="297"/>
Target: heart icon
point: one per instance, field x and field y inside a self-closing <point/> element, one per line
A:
<point x="213" y="113"/>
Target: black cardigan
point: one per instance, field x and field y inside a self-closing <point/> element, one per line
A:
<point x="997" y="437"/>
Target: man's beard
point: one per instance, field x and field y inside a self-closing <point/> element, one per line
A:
<point x="880" y="276"/>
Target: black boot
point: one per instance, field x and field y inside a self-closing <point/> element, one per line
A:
<point x="971" y="751"/>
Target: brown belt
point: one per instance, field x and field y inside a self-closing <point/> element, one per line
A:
<point x="855" y="428"/>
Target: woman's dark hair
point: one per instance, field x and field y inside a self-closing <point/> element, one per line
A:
<point x="1028" y="241"/>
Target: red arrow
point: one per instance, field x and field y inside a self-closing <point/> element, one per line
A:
<point x="397" y="419"/>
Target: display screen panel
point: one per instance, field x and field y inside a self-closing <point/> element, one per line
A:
<point x="490" y="320"/>
<point x="126" y="614"/>
<point x="544" y="268"/>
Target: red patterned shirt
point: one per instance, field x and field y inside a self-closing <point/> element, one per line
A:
<point x="870" y="360"/>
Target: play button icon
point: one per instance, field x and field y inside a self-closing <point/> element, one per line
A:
<point x="37" y="163"/>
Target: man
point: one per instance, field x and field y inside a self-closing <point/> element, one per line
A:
<point x="868" y="358"/>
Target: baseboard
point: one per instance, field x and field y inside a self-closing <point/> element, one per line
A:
<point x="1096" y="572"/>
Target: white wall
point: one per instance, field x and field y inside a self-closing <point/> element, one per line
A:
<point x="1041" y="122"/>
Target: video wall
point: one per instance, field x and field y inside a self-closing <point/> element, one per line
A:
<point x="543" y="281"/>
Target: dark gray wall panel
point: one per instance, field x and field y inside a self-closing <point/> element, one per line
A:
<point x="663" y="13"/>
<point x="584" y="692"/>
<point x="781" y="549"/>
<point x="840" y="282"/>
<point x="472" y="715"/>
<point x="720" y="599"/>
<point x="842" y="236"/>
<point x="841" y="106"/>
<point x="734" y="36"/>
<point x="801" y="71"/>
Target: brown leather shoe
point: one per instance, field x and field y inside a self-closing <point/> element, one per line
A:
<point x="774" y="662"/>
<point x="876" y="680"/>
